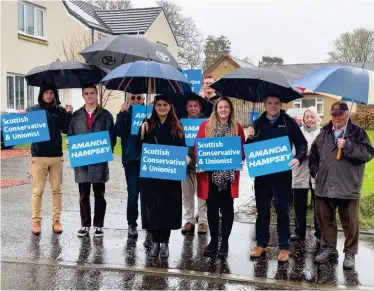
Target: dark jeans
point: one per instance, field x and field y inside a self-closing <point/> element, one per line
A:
<point x="85" y="205"/>
<point x="160" y="235"/>
<point x="265" y="190"/>
<point x="220" y="201"/>
<point x="300" y="197"/>
<point x="132" y="171"/>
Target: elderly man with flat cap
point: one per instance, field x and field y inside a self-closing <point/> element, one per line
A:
<point x="339" y="181"/>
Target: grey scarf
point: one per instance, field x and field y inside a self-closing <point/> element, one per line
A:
<point x="222" y="178"/>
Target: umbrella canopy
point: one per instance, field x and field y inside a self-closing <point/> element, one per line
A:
<point x="113" y="51"/>
<point x="342" y="82"/>
<point x="65" y="75"/>
<point x="147" y="77"/>
<point x="254" y="83"/>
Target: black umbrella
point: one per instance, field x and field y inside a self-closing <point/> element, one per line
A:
<point x="253" y="84"/>
<point x="113" y="51"/>
<point x="65" y="74"/>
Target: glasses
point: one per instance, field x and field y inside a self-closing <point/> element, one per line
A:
<point x="136" y="98"/>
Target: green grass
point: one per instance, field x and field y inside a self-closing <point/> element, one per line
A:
<point x="368" y="185"/>
<point x="117" y="148"/>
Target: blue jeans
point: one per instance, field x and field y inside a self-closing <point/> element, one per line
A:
<point x="132" y="172"/>
<point x="265" y="190"/>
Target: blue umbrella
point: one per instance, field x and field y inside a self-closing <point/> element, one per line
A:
<point x="341" y="82"/>
<point x="147" y="77"/>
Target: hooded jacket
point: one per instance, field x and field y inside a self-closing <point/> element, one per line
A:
<point x="58" y="122"/>
<point x="301" y="175"/>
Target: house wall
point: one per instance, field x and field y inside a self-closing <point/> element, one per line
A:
<point x="20" y="54"/>
<point x="223" y="68"/>
<point x="160" y="31"/>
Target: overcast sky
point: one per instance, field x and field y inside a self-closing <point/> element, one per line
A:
<point x="299" y="31"/>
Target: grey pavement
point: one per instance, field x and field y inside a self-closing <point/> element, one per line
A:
<point x="113" y="262"/>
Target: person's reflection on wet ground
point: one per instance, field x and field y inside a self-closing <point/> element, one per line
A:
<point x="55" y="246"/>
<point x="282" y="272"/>
<point x="261" y="266"/>
<point x="186" y="261"/>
<point x="149" y="282"/>
<point x="351" y="278"/>
<point x="147" y="241"/>
<point x="34" y="247"/>
<point x="130" y="252"/>
<point x="84" y="250"/>
<point x="298" y="255"/>
<point x="98" y="254"/>
<point x="327" y="273"/>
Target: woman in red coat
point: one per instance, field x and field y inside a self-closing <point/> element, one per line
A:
<point x="220" y="188"/>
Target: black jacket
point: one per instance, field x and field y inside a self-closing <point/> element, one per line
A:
<point x="283" y="126"/>
<point x="58" y="122"/>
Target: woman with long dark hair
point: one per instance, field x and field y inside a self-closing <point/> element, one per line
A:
<point x="161" y="200"/>
<point x="220" y="188"/>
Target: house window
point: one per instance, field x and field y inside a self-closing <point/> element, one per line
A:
<point x="305" y="103"/>
<point x="30" y="19"/>
<point x="19" y="94"/>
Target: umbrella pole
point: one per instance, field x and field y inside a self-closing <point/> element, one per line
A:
<point x="339" y="154"/>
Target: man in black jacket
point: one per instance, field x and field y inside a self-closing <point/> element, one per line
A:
<point x="130" y="160"/>
<point x="47" y="157"/>
<point x="274" y="123"/>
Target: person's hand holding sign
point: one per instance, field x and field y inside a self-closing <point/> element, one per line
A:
<point x="69" y="108"/>
<point x="22" y="111"/>
<point x="250" y="131"/>
<point x="125" y="107"/>
<point x="188" y="159"/>
<point x="294" y="163"/>
<point x="67" y="143"/>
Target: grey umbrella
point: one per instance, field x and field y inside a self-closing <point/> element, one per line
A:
<point x="113" y="51"/>
<point x="65" y="74"/>
<point x="254" y="83"/>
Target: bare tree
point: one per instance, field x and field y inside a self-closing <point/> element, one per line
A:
<point x="110" y="4"/>
<point x="189" y="39"/>
<point x="356" y="46"/>
<point x="247" y="60"/>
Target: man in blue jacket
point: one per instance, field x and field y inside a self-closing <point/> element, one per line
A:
<point x="130" y="160"/>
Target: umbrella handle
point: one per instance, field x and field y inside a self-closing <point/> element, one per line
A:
<point x="339" y="154"/>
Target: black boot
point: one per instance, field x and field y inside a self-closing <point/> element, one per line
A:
<point x="224" y="249"/>
<point x="296" y="238"/>
<point x="164" y="250"/>
<point x="326" y="255"/>
<point x="211" y="249"/>
<point x="132" y="232"/>
<point x="154" y="252"/>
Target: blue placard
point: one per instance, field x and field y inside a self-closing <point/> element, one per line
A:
<point x="253" y="115"/>
<point x="89" y="149"/>
<point x="219" y="153"/>
<point x="194" y="76"/>
<point x="191" y="128"/>
<point x="26" y="128"/>
<point x="268" y="157"/>
<point x="163" y="162"/>
<point x="139" y="113"/>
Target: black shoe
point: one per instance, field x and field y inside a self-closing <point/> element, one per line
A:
<point x="326" y="255"/>
<point x="155" y="250"/>
<point x="210" y="250"/>
<point x="164" y="250"/>
<point x="318" y="242"/>
<point x="132" y="232"/>
<point x="84" y="231"/>
<point x="224" y="250"/>
<point x="99" y="232"/>
<point x="349" y="262"/>
<point x="296" y="238"/>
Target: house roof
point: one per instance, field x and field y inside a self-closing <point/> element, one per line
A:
<point x="233" y="60"/>
<point x="129" y="21"/>
<point x="296" y="71"/>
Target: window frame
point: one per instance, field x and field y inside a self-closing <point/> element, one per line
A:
<point x="298" y="104"/>
<point x="26" y="89"/>
<point x="35" y="9"/>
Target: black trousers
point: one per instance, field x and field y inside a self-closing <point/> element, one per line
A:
<point x="220" y="201"/>
<point x="132" y="169"/>
<point x="300" y="197"/>
<point x="85" y="204"/>
<point x="160" y="235"/>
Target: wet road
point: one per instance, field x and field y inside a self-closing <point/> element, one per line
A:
<point x="114" y="262"/>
